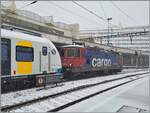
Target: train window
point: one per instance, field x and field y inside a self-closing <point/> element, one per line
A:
<point x="44" y="51"/>
<point x="24" y="54"/>
<point x="83" y="53"/>
<point x="73" y="52"/>
<point x="5" y="56"/>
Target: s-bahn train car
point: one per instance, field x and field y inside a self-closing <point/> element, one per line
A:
<point x="78" y="59"/>
<point x="24" y="56"/>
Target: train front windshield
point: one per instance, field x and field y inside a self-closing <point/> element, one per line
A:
<point x="73" y="52"/>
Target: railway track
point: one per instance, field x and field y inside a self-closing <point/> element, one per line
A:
<point x="61" y="100"/>
<point x="17" y="97"/>
<point x="34" y="93"/>
<point x="75" y="79"/>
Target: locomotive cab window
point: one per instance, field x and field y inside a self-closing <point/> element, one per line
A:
<point x="24" y="54"/>
<point x="73" y="52"/>
<point x="44" y="51"/>
<point x="83" y="53"/>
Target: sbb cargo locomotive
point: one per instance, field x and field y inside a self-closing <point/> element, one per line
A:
<point x="79" y="60"/>
<point x="24" y="57"/>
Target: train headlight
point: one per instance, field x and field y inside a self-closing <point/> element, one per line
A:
<point x="70" y="64"/>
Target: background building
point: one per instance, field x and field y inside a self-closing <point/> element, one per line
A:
<point x="137" y="43"/>
<point x="136" y="38"/>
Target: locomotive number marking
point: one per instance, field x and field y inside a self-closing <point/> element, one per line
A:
<point x="97" y="62"/>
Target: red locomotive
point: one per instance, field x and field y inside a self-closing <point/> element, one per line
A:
<point x="78" y="59"/>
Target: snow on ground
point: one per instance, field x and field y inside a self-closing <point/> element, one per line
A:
<point x="133" y="70"/>
<point x="51" y="103"/>
<point x="135" y="94"/>
<point x="30" y="94"/>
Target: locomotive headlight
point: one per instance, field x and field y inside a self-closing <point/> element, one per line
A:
<point x="70" y="64"/>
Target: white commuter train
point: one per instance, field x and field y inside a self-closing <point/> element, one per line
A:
<point x="24" y="55"/>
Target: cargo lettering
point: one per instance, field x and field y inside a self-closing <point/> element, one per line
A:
<point x="97" y="62"/>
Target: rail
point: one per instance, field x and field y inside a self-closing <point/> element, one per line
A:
<point x="79" y="88"/>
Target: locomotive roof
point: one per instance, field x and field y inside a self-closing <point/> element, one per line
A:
<point x="73" y="46"/>
<point x="17" y="35"/>
<point x="77" y="46"/>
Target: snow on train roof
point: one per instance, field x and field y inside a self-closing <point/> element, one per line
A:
<point x="18" y="35"/>
<point x="72" y="46"/>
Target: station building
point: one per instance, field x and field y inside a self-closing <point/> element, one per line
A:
<point x="136" y="38"/>
<point x="137" y="43"/>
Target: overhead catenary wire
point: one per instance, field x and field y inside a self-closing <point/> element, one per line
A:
<point x="101" y="5"/>
<point x="76" y="14"/>
<point x="28" y="4"/>
<point x="37" y="8"/>
<point x="123" y="12"/>
<point x="73" y="13"/>
<point x="91" y="12"/>
<point x="62" y="8"/>
<point x="66" y="19"/>
<point x="20" y="8"/>
<point x="45" y="12"/>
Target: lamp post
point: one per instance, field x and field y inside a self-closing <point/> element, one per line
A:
<point x="108" y="19"/>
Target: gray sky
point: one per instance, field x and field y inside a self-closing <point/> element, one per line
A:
<point x="133" y="13"/>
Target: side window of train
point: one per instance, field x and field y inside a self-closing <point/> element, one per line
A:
<point x="77" y="52"/>
<point x="25" y="54"/>
<point x="44" y="50"/>
<point x="5" y="56"/>
<point x="73" y="52"/>
<point x="83" y="53"/>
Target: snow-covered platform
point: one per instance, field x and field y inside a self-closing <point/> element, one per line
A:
<point x="132" y="97"/>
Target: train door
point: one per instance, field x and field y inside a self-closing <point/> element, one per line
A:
<point x="44" y="60"/>
<point x="5" y="56"/>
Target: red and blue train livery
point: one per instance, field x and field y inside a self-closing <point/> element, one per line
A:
<point x="80" y="60"/>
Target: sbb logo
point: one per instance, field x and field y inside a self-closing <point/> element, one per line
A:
<point x="97" y="62"/>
